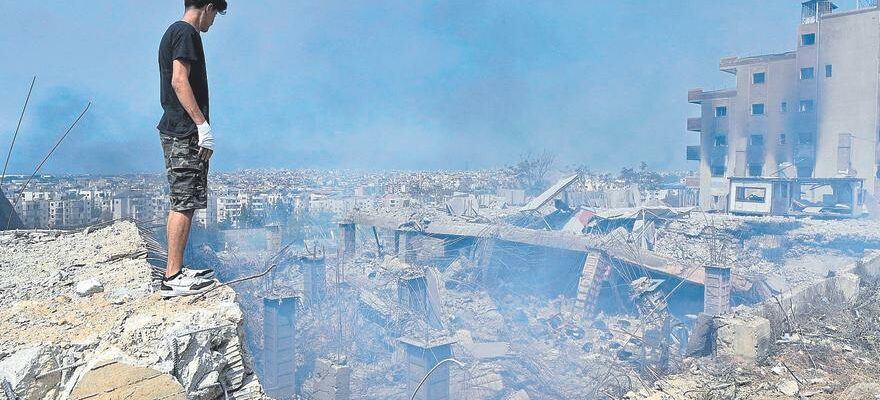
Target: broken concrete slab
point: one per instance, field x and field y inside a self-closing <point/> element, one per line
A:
<point x="116" y="380"/>
<point x="22" y="368"/>
<point x="745" y="339"/>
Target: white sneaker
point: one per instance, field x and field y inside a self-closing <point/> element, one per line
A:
<point x="182" y="285"/>
<point x="198" y="273"/>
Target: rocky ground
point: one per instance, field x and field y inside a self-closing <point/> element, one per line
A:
<point x="78" y="319"/>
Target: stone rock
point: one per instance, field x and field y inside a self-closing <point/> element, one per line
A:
<point x="88" y="287"/>
<point x="745" y="339"/>
<point x="788" y="387"/>
<point x="117" y="380"/>
<point x="22" y="368"/>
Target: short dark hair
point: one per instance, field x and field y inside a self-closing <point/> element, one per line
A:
<point x="220" y="5"/>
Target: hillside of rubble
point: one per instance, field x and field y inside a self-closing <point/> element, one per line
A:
<point x="79" y="320"/>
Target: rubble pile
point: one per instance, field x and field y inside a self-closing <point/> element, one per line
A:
<point x="78" y="319"/>
<point x="781" y="250"/>
<point x="832" y="353"/>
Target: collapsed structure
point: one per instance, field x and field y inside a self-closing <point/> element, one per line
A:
<point x="554" y="300"/>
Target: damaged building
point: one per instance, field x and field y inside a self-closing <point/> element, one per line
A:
<point x="792" y="114"/>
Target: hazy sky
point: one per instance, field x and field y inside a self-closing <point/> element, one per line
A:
<point x="381" y="83"/>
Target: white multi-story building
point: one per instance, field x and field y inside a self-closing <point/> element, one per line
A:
<point x="813" y="112"/>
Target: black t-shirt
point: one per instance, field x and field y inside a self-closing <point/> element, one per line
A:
<point x="181" y="42"/>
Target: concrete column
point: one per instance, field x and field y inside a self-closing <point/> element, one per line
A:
<point x="273" y="239"/>
<point x="412" y="293"/>
<point x="421" y="356"/>
<point x="279" y="352"/>
<point x="314" y="270"/>
<point x="408" y="245"/>
<point x="716" y="287"/>
<point x="333" y="380"/>
<point x="593" y="274"/>
<point x="347" y="239"/>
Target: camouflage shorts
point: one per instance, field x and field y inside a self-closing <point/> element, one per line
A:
<point x="187" y="175"/>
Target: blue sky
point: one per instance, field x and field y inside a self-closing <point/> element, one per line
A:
<point x="381" y="84"/>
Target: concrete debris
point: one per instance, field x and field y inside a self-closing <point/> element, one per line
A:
<point x="88" y="294"/>
<point x="22" y="368"/>
<point x="788" y="387"/>
<point x="117" y="380"/>
<point x="88" y="287"/>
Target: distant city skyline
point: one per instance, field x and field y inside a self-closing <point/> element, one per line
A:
<point x="384" y="85"/>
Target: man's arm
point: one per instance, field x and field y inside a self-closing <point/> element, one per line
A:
<point x="180" y="83"/>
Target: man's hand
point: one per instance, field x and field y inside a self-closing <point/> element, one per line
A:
<point x="206" y="141"/>
<point x="205" y="154"/>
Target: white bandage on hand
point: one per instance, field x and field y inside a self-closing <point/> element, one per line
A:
<point x="206" y="136"/>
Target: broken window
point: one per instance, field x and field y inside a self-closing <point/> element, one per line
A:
<point x="718" y="170"/>
<point x="784" y="107"/>
<point x="844" y="152"/>
<point x="806" y="106"/>
<point x="808" y="39"/>
<point x="807" y="73"/>
<point x="751" y="194"/>
<point x="781" y="138"/>
<point x="756" y="169"/>
<point x="756" y="140"/>
<point x="758" y="109"/>
<point x="805" y="138"/>
<point x="721" y="111"/>
<point x="758" y="78"/>
<point x="720" y="140"/>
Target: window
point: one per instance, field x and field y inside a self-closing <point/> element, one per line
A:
<point x="756" y="170"/>
<point x="718" y="170"/>
<point x="758" y="78"/>
<point x="805" y="138"/>
<point x="781" y="138"/>
<point x="828" y="70"/>
<point x="751" y="194"/>
<point x="784" y="107"/>
<point x="720" y="141"/>
<point x="756" y="140"/>
<point x="721" y="111"/>
<point x="806" y="106"/>
<point x="808" y="39"/>
<point x="807" y="73"/>
<point x="758" y="109"/>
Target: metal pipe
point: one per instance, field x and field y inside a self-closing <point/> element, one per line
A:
<point x="452" y="360"/>
<point x="9" y="220"/>
<point x="15" y="135"/>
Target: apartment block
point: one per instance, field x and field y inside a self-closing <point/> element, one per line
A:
<point x="808" y="113"/>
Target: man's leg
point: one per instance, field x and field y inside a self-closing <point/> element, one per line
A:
<point x="179" y="223"/>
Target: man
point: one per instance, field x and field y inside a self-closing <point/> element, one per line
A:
<point x="187" y="138"/>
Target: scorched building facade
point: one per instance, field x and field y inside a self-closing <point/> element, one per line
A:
<point x="811" y="112"/>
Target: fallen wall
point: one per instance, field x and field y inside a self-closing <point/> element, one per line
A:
<point x="746" y="334"/>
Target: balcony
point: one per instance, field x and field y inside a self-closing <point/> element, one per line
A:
<point x="695" y="124"/>
<point x="695" y="96"/>
<point x="693" y="153"/>
<point x="718" y="156"/>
